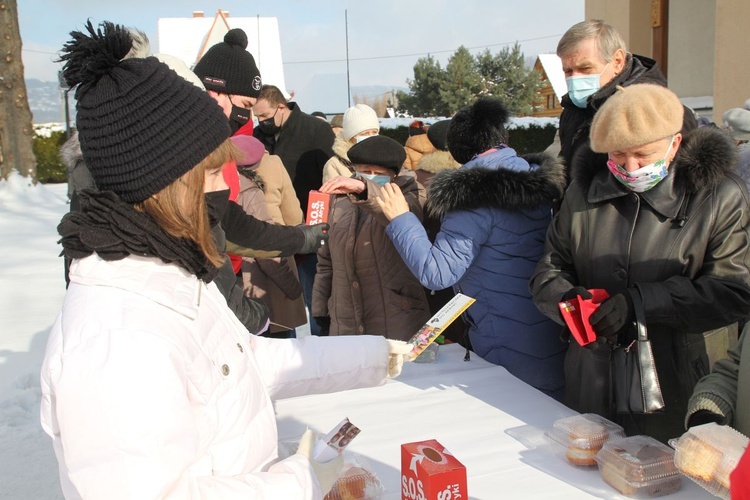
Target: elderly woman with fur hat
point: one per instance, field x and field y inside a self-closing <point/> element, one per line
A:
<point x="362" y="285"/>
<point x="151" y="387"/>
<point x="494" y="212"/>
<point x="658" y="217"/>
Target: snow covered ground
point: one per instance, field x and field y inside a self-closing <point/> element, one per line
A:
<point x="31" y="291"/>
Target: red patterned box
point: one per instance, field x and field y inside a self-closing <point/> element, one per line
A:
<point x="430" y="472"/>
<point x="317" y="207"/>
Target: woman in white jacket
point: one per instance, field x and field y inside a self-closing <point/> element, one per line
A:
<point x="151" y="388"/>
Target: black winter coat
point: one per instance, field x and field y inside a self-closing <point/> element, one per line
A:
<point x="684" y="246"/>
<point x="304" y="145"/>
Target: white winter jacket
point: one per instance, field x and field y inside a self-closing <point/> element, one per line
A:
<point x="151" y="388"/>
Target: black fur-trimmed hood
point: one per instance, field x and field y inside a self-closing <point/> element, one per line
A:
<point x="706" y="155"/>
<point x="482" y="187"/>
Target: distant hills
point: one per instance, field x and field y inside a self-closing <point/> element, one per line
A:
<point x="46" y="100"/>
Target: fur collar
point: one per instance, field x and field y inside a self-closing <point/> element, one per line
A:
<point x="437" y="161"/>
<point x="341" y="149"/>
<point x="253" y="176"/>
<point x="480" y="187"/>
<point x="706" y="155"/>
<point x="70" y="152"/>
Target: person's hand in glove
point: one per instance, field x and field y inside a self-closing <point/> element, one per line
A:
<point x="575" y="292"/>
<point x="701" y="417"/>
<point x="398" y="353"/>
<point x="327" y="472"/>
<point x="324" y="323"/>
<point x="315" y="236"/>
<point x="613" y="315"/>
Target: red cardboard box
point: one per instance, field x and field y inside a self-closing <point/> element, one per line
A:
<point x="317" y="208"/>
<point x="430" y="472"/>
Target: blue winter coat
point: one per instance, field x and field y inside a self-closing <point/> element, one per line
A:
<point x="495" y="211"/>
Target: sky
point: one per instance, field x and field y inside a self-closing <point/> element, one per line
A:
<point x="386" y="38"/>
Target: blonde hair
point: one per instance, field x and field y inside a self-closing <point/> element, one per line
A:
<point x="180" y="208"/>
<point x="608" y="40"/>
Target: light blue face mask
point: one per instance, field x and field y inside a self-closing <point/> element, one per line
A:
<point x="381" y="180"/>
<point x="581" y="87"/>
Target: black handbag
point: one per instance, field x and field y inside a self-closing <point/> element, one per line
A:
<point x="635" y="381"/>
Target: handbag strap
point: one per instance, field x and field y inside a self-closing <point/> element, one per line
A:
<point x="640" y="315"/>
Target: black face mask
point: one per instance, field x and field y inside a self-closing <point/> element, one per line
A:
<point x="268" y="126"/>
<point x="238" y="118"/>
<point x="216" y="205"/>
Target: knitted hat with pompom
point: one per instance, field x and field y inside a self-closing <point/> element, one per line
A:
<point x="229" y="68"/>
<point x="141" y="126"/>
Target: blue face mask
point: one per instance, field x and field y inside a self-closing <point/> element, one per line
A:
<point x="381" y="180"/>
<point x="580" y="88"/>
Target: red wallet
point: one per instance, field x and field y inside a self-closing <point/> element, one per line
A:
<point x="576" y="313"/>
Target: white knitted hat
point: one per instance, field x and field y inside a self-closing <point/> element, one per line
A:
<point x="359" y="118"/>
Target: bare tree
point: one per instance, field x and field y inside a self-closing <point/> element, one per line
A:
<point x="16" y="132"/>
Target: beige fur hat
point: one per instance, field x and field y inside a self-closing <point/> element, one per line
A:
<point x="359" y="118"/>
<point x="636" y="115"/>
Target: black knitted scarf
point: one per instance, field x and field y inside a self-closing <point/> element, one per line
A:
<point x="114" y="229"/>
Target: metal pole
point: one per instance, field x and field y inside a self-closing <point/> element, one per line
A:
<point x="348" y="84"/>
<point x="257" y="24"/>
<point x="67" y="114"/>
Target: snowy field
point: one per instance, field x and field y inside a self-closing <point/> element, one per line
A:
<point x="31" y="291"/>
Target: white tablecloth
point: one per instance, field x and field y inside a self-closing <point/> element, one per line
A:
<point x="489" y="420"/>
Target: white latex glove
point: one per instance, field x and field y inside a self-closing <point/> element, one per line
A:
<point x="398" y="352"/>
<point x="327" y="472"/>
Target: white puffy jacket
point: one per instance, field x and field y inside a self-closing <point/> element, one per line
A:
<point x="151" y="388"/>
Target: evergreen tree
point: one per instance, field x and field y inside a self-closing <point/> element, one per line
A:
<point x="438" y="92"/>
<point x="423" y="98"/>
<point x="505" y="76"/>
<point x="462" y="83"/>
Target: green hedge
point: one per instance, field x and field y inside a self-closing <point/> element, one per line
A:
<point x="49" y="166"/>
<point x="532" y="139"/>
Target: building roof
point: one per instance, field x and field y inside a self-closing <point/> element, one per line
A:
<point x="188" y="38"/>
<point x="552" y="66"/>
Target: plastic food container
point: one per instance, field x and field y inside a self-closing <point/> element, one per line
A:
<point x="356" y="483"/>
<point x="582" y="436"/>
<point x="639" y="466"/>
<point x="708" y="454"/>
<point x="429" y="355"/>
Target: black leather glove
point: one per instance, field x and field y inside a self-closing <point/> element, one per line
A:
<point x="613" y="315"/>
<point x="315" y="236"/>
<point x="575" y="292"/>
<point x="324" y="323"/>
<point x="701" y="417"/>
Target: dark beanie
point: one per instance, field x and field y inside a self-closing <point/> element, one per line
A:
<point x="477" y="128"/>
<point x="141" y="126"/>
<point x="228" y="68"/>
<point x="438" y="134"/>
<point x="378" y="150"/>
